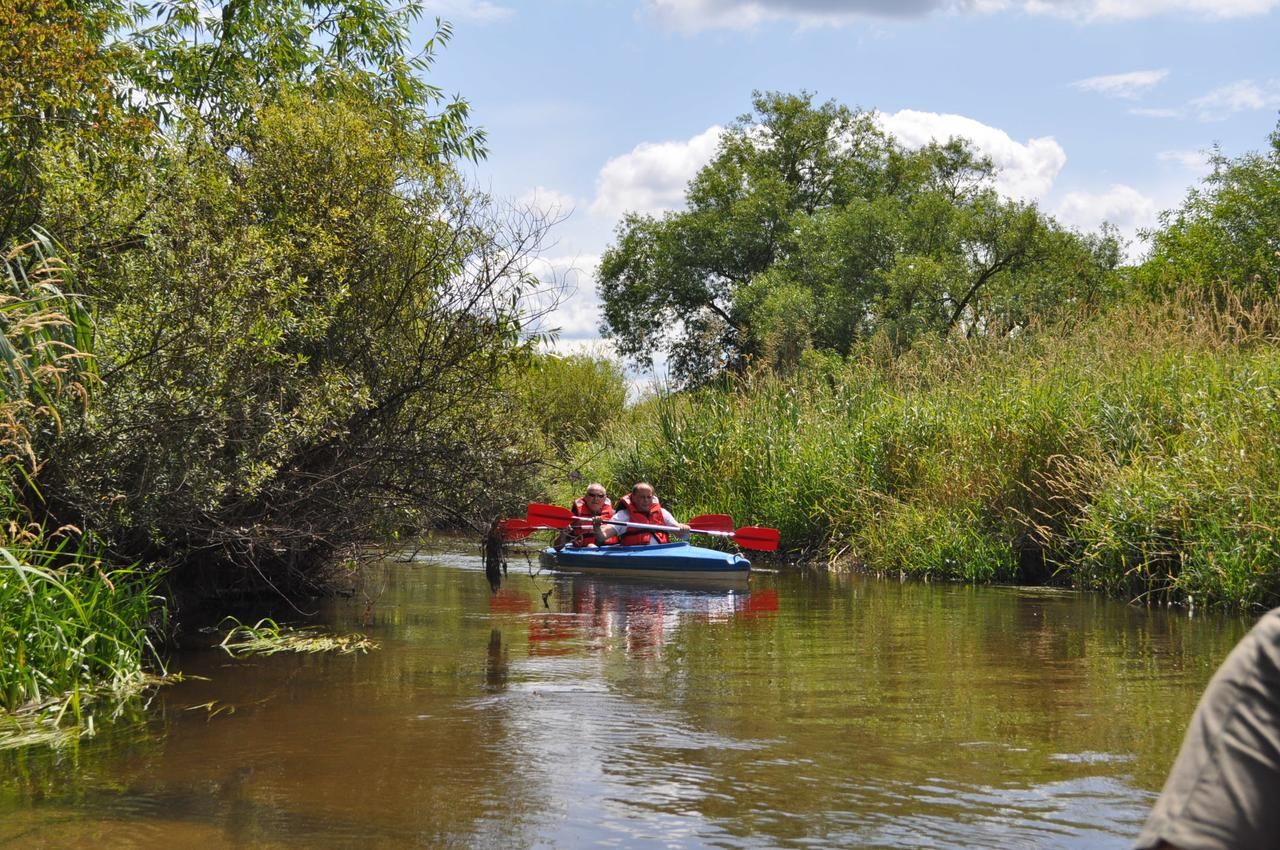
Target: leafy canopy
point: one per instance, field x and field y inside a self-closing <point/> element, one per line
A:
<point x="1227" y="231"/>
<point x="307" y="354"/>
<point x="812" y="229"/>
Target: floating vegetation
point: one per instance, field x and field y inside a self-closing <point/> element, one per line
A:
<point x="28" y="730"/>
<point x="267" y="637"/>
<point x="213" y="708"/>
<point x="64" y="719"/>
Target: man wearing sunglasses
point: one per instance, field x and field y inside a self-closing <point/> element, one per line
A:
<point x="590" y="506"/>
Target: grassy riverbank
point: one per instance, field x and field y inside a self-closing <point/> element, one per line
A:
<point x="1132" y="453"/>
<point x="70" y="632"/>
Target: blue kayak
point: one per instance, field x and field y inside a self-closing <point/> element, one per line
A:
<point x="660" y="560"/>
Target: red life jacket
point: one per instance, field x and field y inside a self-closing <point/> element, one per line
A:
<point x="583" y="535"/>
<point x="641" y="536"/>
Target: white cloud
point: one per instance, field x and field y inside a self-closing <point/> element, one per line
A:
<point x="1195" y="161"/>
<point x="1157" y="112"/>
<point x="1127" y="85"/>
<point x="481" y="11"/>
<point x="551" y="203"/>
<point x="696" y="15"/>
<point x="1089" y="10"/>
<point x="569" y="299"/>
<point x="1121" y="205"/>
<point x="1241" y="96"/>
<point x="1027" y="170"/>
<point x="653" y="176"/>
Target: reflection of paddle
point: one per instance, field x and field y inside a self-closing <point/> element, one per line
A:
<point x="749" y="537"/>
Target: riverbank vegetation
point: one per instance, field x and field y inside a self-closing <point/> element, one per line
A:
<point x="289" y="327"/>
<point x="1133" y="452"/>
<point x="255" y="319"/>
<point x="69" y="624"/>
<point x="913" y="375"/>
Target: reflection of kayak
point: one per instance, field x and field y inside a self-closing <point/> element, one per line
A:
<point x="662" y="560"/>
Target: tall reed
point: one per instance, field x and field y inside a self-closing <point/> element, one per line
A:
<point x="68" y="628"/>
<point x="1133" y="452"/>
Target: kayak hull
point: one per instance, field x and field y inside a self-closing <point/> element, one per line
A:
<point x="662" y="561"/>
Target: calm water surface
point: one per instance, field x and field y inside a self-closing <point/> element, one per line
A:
<point x="798" y="711"/>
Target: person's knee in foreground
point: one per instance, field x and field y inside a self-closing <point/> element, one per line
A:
<point x="640" y="505"/>
<point x="1223" y="792"/>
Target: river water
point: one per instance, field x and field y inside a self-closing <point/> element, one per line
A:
<point x="801" y="710"/>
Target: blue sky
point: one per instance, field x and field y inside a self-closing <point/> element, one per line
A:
<point x="1098" y="110"/>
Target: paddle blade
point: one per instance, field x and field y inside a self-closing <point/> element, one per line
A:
<point x="549" y="516"/>
<point x="514" y="529"/>
<point x="712" y="522"/>
<point x="757" y="537"/>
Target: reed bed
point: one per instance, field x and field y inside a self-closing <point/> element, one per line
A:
<point x="1133" y="453"/>
<point x="70" y="633"/>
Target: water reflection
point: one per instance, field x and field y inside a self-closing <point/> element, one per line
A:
<point x="567" y="711"/>
<point x="591" y="614"/>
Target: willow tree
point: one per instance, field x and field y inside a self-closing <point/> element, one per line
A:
<point x="58" y="91"/>
<point x="305" y="354"/>
<point x="303" y="313"/>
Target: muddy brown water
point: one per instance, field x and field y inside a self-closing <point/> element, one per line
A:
<point x="802" y="710"/>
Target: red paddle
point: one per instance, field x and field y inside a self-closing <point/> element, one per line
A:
<point x="515" y="529"/>
<point x="756" y="537"/>
<point x="749" y="537"/>
<point x="554" y="516"/>
<point x="712" y="522"/>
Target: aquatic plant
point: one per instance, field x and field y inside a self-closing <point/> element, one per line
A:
<point x="267" y="637"/>
<point x="70" y="629"/>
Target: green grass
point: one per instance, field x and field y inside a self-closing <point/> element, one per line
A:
<point x="70" y="631"/>
<point x="1135" y="452"/>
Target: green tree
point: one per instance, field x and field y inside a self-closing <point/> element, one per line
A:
<point x="56" y="90"/>
<point x="788" y="160"/>
<point x="307" y="353"/>
<point x="571" y="398"/>
<point x="226" y="65"/>
<point x="812" y="229"/>
<point x="1226" y="231"/>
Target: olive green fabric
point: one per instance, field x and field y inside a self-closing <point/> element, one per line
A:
<point x="1223" y="792"/>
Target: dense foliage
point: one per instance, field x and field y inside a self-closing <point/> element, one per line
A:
<point x="1226" y="233"/>
<point x="304" y="354"/>
<point x="1133" y="453"/>
<point x="1129" y="449"/>
<point x="570" y="399"/>
<point x="302" y="322"/>
<point x="812" y="229"/>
